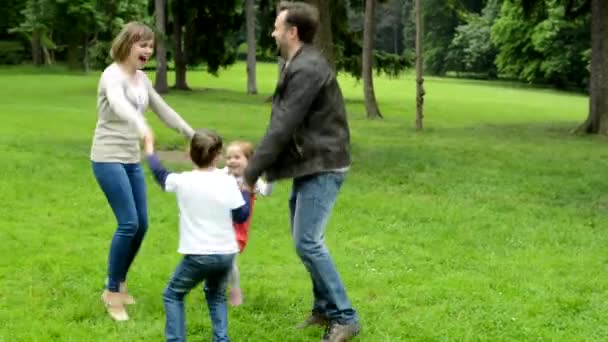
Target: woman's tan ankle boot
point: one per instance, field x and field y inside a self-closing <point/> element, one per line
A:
<point x="127" y="299"/>
<point x="115" y="305"/>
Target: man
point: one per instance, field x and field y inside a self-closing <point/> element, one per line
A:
<point x="308" y="140"/>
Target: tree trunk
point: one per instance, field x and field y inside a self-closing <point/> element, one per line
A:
<point x="419" y="79"/>
<point x="160" y="83"/>
<point x="180" y="56"/>
<point x="597" y="121"/>
<point x="395" y="38"/>
<point x="72" y="54"/>
<point x="251" y="48"/>
<point x="369" y="26"/>
<point x="85" y="55"/>
<point x="324" y="39"/>
<point x="36" y="48"/>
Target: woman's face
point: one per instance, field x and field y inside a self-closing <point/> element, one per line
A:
<point x="140" y="53"/>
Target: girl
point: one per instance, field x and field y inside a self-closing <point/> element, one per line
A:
<point x="123" y="95"/>
<point x="237" y="156"/>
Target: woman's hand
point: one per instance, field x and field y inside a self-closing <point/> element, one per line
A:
<point x="148" y="141"/>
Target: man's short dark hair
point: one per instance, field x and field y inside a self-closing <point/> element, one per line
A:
<point x="303" y="16"/>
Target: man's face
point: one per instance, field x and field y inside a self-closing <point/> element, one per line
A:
<point x="282" y="33"/>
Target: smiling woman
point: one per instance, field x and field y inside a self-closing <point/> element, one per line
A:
<point x="123" y="95"/>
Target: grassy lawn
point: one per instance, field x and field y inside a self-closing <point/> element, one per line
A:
<point x="489" y="225"/>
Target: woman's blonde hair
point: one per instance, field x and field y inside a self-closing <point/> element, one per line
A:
<point x="245" y="147"/>
<point x="130" y="34"/>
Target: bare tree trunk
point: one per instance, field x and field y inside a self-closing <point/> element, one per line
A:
<point x="369" y="27"/>
<point x="85" y="57"/>
<point x="251" y="47"/>
<point x="419" y="79"/>
<point x="160" y="83"/>
<point x="395" y="38"/>
<point x="324" y="38"/>
<point x="597" y="121"/>
<point x="72" y="54"/>
<point x="180" y="56"/>
<point x="36" y="48"/>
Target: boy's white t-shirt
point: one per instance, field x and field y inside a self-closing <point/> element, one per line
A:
<point x="205" y="200"/>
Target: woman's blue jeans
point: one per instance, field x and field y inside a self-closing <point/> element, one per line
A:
<point x="125" y="189"/>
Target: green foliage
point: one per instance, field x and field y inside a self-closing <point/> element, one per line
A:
<point x="10" y="10"/>
<point x="11" y="52"/>
<point x="543" y="45"/>
<point x="211" y="30"/>
<point x="38" y="18"/>
<point x="535" y="41"/>
<point x="472" y="50"/>
<point x="74" y="23"/>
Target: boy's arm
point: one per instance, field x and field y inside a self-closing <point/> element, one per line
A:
<point x="241" y="214"/>
<point x="160" y="173"/>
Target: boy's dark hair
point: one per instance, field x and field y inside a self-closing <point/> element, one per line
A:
<point x="205" y="146"/>
<point x="303" y="16"/>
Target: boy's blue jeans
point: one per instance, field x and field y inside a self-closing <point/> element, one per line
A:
<point x="312" y="199"/>
<point x="213" y="269"/>
<point x="125" y="189"/>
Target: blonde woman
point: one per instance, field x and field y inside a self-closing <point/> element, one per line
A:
<point x="124" y="93"/>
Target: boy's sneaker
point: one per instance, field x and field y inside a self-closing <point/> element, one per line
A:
<point x="314" y="319"/>
<point x="236" y="297"/>
<point x="341" y="332"/>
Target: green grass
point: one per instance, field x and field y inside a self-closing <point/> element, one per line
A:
<point x="488" y="225"/>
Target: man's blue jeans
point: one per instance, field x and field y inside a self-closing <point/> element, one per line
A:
<point x="213" y="269"/>
<point x="312" y="199"/>
<point x="125" y="189"/>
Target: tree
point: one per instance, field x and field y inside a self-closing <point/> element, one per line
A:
<point x="440" y="21"/>
<point x="12" y="11"/>
<point x="389" y="26"/>
<point x="179" y="54"/>
<point x="324" y="36"/>
<point x="597" y="120"/>
<point x="251" y="47"/>
<point x="211" y="34"/>
<point x="472" y="50"/>
<point x="419" y="80"/>
<point x="371" y="105"/>
<point x="37" y="27"/>
<point x="542" y="44"/>
<point x="160" y="84"/>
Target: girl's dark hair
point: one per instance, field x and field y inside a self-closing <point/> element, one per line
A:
<point x="205" y="146"/>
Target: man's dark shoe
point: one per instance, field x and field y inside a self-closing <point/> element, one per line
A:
<point x="341" y="332"/>
<point x="315" y="319"/>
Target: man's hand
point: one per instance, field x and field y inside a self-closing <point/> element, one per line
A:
<point x="148" y="142"/>
<point x="247" y="187"/>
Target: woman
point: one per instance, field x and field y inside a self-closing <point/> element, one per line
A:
<point x="123" y="95"/>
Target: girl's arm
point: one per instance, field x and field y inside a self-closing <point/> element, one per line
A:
<point x="166" y="113"/>
<point x="241" y="214"/>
